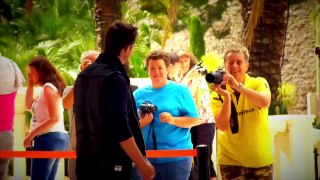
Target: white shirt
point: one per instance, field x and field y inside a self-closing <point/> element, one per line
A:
<point x="11" y="77"/>
<point x="40" y="112"/>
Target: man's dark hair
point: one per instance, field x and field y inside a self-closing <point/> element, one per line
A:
<point x="119" y="35"/>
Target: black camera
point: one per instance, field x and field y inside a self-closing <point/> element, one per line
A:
<point x="147" y="107"/>
<point x="215" y="77"/>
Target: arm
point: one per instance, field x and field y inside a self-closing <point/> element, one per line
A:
<point x="29" y="97"/>
<point x="183" y="122"/>
<point x="191" y="80"/>
<point x="145" y="168"/>
<point x="115" y="102"/>
<point x="188" y="115"/>
<point x="260" y="99"/>
<point x="67" y="99"/>
<point x="222" y="119"/>
<point x="52" y="101"/>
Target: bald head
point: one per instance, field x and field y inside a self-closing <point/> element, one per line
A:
<point x="87" y="58"/>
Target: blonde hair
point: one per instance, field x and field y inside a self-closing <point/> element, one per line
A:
<point x="237" y="49"/>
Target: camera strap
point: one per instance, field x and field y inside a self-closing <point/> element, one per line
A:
<point x="154" y="138"/>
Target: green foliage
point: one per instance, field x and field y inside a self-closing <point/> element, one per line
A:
<point x="209" y="13"/>
<point x="137" y="61"/>
<point x="149" y="26"/>
<point x="215" y="11"/>
<point x="60" y="30"/>
<point x="272" y="109"/>
<point x="183" y="18"/>
<point x="197" y="3"/>
<point x="314" y="14"/>
<point x="292" y="2"/>
<point x="197" y="44"/>
<point x="287" y="98"/>
<point x="155" y="7"/>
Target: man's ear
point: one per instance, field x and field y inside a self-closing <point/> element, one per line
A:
<point x="129" y="48"/>
<point x="247" y="67"/>
<point x="81" y="67"/>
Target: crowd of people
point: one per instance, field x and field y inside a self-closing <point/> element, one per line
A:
<point x="112" y="124"/>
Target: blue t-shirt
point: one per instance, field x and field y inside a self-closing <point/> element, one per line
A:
<point x="177" y="100"/>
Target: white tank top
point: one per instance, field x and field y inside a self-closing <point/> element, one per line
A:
<point x="40" y="112"/>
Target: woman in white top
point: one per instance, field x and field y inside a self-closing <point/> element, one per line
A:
<point x="204" y="131"/>
<point x="47" y="131"/>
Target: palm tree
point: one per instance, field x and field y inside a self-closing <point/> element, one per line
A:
<point x="29" y="6"/>
<point x="106" y="12"/>
<point x="265" y="35"/>
<point x="172" y="11"/>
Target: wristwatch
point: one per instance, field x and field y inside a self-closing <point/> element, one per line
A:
<point x="240" y="85"/>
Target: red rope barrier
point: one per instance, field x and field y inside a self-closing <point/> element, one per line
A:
<point x="72" y="154"/>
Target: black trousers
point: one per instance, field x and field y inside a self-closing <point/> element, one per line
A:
<point x="98" y="168"/>
<point x="204" y="134"/>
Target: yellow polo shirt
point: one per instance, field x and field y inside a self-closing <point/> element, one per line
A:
<point x="251" y="146"/>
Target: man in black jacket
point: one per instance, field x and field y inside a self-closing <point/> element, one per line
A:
<point x="107" y="127"/>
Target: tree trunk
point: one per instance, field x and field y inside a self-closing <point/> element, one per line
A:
<point x="29" y="6"/>
<point x="268" y="42"/>
<point x="106" y="12"/>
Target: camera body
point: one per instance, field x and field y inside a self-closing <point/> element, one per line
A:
<point x="215" y="77"/>
<point x="147" y="107"/>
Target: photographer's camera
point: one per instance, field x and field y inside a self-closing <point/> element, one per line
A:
<point x="215" y="77"/>
<point x="147" y="107"/>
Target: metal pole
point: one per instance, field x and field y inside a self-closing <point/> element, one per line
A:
<point x="315" y="152"/>
<point x="317" y="122"/>
<point x="203" y="162"/>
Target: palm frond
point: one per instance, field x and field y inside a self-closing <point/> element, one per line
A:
<point x="256" y="13"/>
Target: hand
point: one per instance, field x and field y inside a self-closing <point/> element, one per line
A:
<point x="148" y="171"/>
<point x="217" y="88"/>
<point x="166" y="117"/>
<point x="230" y="80"/>
<point x="146" y="117"/>
<point x="27" y="142"/>
<point x="30" y="81"/>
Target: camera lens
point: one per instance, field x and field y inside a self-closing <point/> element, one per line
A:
<point x="215" y="77"/>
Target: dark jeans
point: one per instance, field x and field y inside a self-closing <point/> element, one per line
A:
<point x="178" y="170"/>
<point x="46" y="169"/>
<point x="203" y="134"/>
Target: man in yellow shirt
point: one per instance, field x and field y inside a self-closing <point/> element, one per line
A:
<point x="241" y="115"/>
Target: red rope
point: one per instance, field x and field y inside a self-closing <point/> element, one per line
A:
<point x="72" y="154"/>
